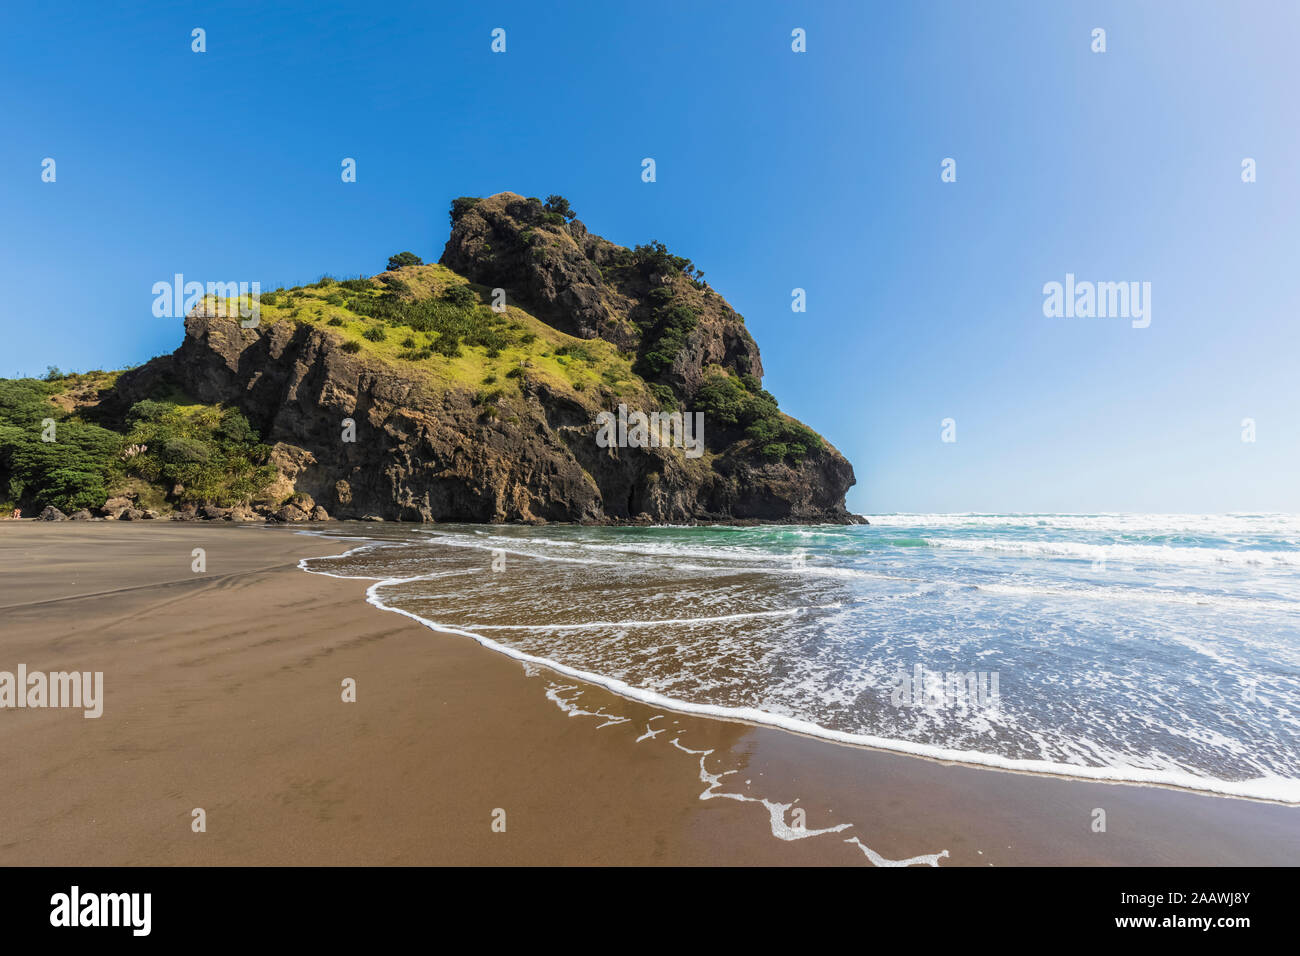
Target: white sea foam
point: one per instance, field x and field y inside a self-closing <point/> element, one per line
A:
<point x="927" y="859"/>
<point x="651" y="622"/>
<point x="1129" y="553"/>
<point x="1079" y="757"/>
<point x="777" y="811"/>
<point x="1221" y="525"/>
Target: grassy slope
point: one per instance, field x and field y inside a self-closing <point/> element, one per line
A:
<point x="609" y="376"/>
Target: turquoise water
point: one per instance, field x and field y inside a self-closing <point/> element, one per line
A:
<point x="1156" y="648"/>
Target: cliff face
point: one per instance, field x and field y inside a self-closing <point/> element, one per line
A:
<point x="589" y="287"/>
<point x="433" y="449"/>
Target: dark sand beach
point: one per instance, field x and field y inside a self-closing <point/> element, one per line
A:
<point x="222" y="691"/>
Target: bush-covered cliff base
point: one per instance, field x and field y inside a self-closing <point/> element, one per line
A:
<point x="408" y="396"/>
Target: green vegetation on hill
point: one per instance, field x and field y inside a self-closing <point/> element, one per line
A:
<point x="652" y="259"/>
<point x="664" y="331"/>
<point x="437" y="328"/>
<point x="429" y="326"/>
<point x="74" y="470"/>
<point x="666" y="319"/>
<point x="433" y="300"/>
<point x="213" y="453"/>
<point x="742" y="403"/>
<point x="456" y="318"/>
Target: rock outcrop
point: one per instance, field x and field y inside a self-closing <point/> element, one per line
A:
<point x="425" y="451"/>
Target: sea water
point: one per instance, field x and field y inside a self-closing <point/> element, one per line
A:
<point x="1149" y="648"/>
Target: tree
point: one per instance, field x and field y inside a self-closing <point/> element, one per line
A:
<point x="404" y="259"/>
<point x="560" y="206"/>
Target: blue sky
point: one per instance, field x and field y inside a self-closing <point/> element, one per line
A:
<point x="776" y="170"/>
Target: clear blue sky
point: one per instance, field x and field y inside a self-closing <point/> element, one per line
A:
<point x="776" y="170"/>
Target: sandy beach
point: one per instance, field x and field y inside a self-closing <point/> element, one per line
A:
<point x="223" y="691"/>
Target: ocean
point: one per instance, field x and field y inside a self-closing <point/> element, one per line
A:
<point x="1161" y="649"/>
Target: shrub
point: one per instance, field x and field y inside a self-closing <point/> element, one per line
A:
<point x="471" y="325"/>
<point x="664" y="338"/>
<point x="351" y="347"/>
<point x="148" y="411"/>
<point x="580" y="352"/>
<point x="655" y="259"/>
<point x="235" y="427"/>
<point x="334" y="320"/>
<point x="448" y="345"/>
<point x="728" y="402"/>
<point x="69" y="489"/>
<point x="764" y="429"/>
<point x="461" y="205"/>
<point x="664" y="395"/>
<point x="460" y="296"/>
<point x="724" y="399"/>
<point x="375" y="333"/>
<point x="214" y="453"/>
<point x="180" y="450"/>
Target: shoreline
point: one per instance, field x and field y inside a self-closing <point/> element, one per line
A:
<point x="755" y="717"/>
<point x="443" y="734"/>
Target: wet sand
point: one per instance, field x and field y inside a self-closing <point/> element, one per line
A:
<point x="223" y="692"/>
